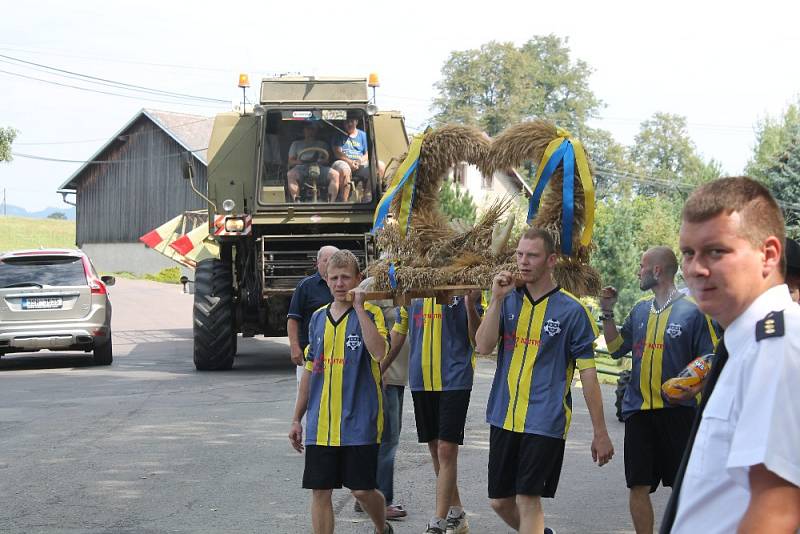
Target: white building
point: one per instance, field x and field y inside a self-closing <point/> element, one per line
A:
<point x="485" y="190"/>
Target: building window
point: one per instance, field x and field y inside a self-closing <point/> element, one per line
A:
<point x="460" y="174"/>
<point x="487" y="182"/>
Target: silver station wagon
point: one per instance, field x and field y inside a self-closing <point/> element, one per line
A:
<point x="54" y="299"/>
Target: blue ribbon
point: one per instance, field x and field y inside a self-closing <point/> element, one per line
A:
<point x="547" y="173"/>
<point x="568" y="199"/>
<point x="386" y="202"/>
<point x="392" y="279"/>
<point x="566" y="153"/>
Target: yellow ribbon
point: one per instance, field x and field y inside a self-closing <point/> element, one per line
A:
<point x="406" y="170"/>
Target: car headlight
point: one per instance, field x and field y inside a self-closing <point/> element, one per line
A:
<point x="228" y="205"/>
<point x="234" y="225"/>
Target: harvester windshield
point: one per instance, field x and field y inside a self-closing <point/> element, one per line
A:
<point x="320" y="155"/>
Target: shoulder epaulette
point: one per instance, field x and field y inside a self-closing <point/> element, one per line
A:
<point x="770" y="326"/>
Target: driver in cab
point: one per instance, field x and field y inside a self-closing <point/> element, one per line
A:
<point x="308" y="167"/>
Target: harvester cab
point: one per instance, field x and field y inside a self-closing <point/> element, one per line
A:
<point x="302" y="169"/>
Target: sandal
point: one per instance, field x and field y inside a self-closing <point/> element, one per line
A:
<point x="395" y="511"/>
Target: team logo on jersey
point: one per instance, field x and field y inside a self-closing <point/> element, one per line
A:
<point x="552" y="327"/>
<point x="674" y="330"/>
<point x="453" y="302"/>
<point x="353" y="342"/>
<point x="510" y="316"/>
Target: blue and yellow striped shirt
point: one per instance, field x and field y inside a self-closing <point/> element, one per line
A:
<point x="345" y="401"/>
<point x="661" y="345"/>
<point x="541" y="344"/>
<point x="441" y="356"/>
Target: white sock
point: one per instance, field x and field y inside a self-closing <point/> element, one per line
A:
<point x="438" y="522"/>
<point x="455" y="511"/>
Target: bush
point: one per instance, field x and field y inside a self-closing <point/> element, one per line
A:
<point x="170" y="275"/>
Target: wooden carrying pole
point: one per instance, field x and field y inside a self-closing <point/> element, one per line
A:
<point x="443" y="294"/>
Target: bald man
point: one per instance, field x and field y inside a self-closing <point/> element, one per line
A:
<point x="310" y="294"/>
<point x="663" y="333"/>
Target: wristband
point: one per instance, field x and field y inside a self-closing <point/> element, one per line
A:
<point x="607" y="316"/>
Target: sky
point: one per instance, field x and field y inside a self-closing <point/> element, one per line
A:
<point x="722" y="65"/>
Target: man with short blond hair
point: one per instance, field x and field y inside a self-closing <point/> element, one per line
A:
<point x="742" y="473"/>
<point x="341" y="391"/>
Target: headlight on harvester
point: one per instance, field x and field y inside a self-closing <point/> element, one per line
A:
<point x="233" y="224"/>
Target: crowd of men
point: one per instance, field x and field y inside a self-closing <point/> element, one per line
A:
<point x="729" y="446"/>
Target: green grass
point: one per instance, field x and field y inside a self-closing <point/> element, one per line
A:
<point x="25" y="232"/>
<point x="170" y="275"/>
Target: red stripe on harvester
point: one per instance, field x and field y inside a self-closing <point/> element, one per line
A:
<point x="151" y="239"/>
<point x="182" y="245"/>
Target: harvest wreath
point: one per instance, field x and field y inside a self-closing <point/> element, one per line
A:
<point x="425" y="254"/>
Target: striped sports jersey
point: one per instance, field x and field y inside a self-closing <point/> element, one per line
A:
<point x="541" y="343"/>
<point x="345" y="400"/>
<point x="441" y="356"/>
<point x="661" y="345"/>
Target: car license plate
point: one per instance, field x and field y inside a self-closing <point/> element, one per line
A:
<point x="41" y="303"/>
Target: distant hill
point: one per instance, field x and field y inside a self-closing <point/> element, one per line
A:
<point x="17" y="211"/>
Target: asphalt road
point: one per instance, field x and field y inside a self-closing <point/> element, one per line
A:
<point x="149" y="445"/>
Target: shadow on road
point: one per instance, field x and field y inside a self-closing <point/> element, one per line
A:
<point x="159" y="350"/>
<point x="24" y="361"/>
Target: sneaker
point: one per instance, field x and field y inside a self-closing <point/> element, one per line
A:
<point x="457" y="525"/>
<point x="386" y="530"/>
<point x="357" y="507"/>
<point x="436" y="527"/>
<point x="395" y="511"/>
<point x="548" y="530"/>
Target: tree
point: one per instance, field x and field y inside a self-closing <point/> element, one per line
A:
<point x="773" y="137"/>
<point x="610" y="160"/>
<point x="457" y="204"/>
<point x="663" y="149"/>
<point x="500" y="84"/>
<point x="783" y="176"/>
<point x="7" y="136"/>
<point x="57" y="215"/>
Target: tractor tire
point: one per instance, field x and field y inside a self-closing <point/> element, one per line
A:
<point x="622" y="385"/>
<point x="104" y="354"/>
<point x="214" y="345"/>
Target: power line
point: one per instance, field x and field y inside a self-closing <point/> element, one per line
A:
<point x="670" y="184"/>
<point x="90" y="90"/>
<point x="114" y="60"/>
<point x="107" y="161"/>
<point x="134" y="134"/>
<point x="113" y="83"/>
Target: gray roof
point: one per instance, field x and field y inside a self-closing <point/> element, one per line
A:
<point x="192" y="132"/>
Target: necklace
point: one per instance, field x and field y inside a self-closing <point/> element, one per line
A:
<point x="664" y="306"/>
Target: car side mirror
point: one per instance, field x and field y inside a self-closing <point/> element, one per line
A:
<point x="108" y="280"/>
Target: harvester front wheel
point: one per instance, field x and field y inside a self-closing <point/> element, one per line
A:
<point x="214" y="334"/>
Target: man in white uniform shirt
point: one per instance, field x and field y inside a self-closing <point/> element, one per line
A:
<point x="743" y="470"/>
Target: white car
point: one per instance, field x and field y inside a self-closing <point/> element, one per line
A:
<point x="54" y="299"/>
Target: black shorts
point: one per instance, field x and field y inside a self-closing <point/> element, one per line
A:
<point x="354" y="467"/>
<point x="523" y="464"/>
<point x="654" y="444"/>
<point x="441" y="415"/>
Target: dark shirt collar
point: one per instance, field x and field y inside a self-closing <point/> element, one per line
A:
<point x="524" y="293"/>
